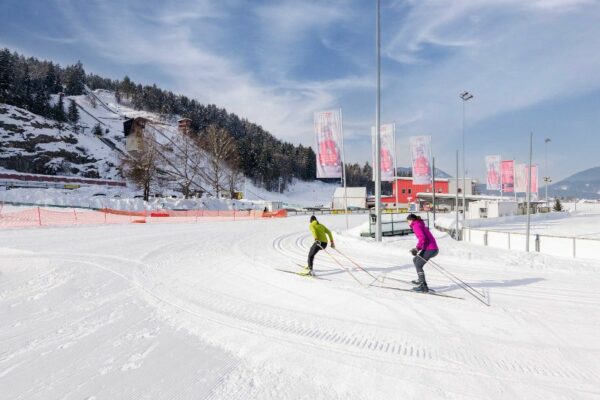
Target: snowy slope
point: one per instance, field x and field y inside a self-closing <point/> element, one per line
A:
<point x="200" y="311"/>
<point x="30" y="143"/>
<point x="298" y="193"/>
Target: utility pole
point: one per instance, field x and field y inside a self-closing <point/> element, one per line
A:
<point x="344" y="169"/>
<point x="377" y="165"/>
<point x="529" y="192"/>
<point x="433" y="187"/>
<point x="456" y="200"/>
<point x="465" y="96"/>
<point x="547" y="177"/>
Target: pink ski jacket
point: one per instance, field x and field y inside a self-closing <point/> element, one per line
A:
<point x="426" y="239"/>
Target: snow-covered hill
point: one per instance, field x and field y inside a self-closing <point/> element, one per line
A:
<point x="31" y="143"/>
<point x="583" y="185"/>
<point x="34" y="144"/>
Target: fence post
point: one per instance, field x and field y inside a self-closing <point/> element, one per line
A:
<point x="537" y="243"/>
<point x="485" y="238"/>
<point x="574" y="247"/>
<point x="39" y="216"/>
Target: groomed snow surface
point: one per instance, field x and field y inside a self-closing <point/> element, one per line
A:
<point x="199" y="311"/>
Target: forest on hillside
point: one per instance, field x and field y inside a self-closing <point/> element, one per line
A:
<point x="28" y="82"/>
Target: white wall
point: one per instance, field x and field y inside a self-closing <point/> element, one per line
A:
<point x="552" y="245"/>
<point x="581" y="207"/>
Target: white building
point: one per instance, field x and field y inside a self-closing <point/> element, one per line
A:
<point x="492" y="208"/>
<point x="470" y="184"/>
<point x="356" y="197"/>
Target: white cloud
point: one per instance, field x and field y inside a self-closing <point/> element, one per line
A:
<point x="283" y="106"/>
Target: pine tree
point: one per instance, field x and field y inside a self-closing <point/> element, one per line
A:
<point x="75" y="80"/>
<point x="97" y="130"/>
<point x="52" y="80"/>
<point x="6" y="73"/>
<point x="59" y="110"/>
<point x="73" y="112"/>
<point x="557" y="205"/>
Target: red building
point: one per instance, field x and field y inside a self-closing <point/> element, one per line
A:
<point x="407" y="192"/>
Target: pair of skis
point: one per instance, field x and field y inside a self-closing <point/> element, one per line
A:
<point x="381" y="286"/>
<point x="305" y="275"/>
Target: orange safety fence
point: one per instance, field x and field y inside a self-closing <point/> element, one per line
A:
<point x="39" y="216"/>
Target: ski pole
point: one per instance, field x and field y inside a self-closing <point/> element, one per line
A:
<point x="375" y="278"/>
<point x="341" y="266"/>
<point x="464" y="288"/>
<point x="435" y="264"/>
<point x="463" y="285"/>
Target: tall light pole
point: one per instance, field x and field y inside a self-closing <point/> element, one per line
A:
<point x="547" y="177"/>
<point x="465" y="96"/>
<point x="528" y="228"/>
<point x="377" y="165"/>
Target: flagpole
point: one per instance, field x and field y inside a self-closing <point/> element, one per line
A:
<point x="501" y="181"/>
<point x="377" y="165"/>
<point x="395" y="167"/>
<point x="529" y="192"/>
<point x="456" y="200"/>
<point x="433" y="187"/>
<point x="344" y="169"/>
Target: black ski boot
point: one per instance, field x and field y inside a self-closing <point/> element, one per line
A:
<point x="415" y="282"/>
<point x="421" y="284"/>
<point x="421" y="288"/>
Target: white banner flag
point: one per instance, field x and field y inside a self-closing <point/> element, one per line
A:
<point x="420" y="149"/>
<point x="494" y="175"/>
<point x="387" y="150"/>
<point x="328" y="132"/>
<point x="522" y="177"/>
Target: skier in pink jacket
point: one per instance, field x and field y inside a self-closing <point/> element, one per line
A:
<point x="426" y="248"/>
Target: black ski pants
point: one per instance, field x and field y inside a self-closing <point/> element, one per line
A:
<point x="314" y="249"/>
<point x="421" y="260"/>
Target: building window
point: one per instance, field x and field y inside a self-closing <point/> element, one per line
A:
<point x="403" y="191"/>
<point x="409" y="191"/>
<point x="459" y="190"/>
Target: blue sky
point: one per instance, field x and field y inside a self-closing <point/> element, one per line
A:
<point x="532" y="65"/>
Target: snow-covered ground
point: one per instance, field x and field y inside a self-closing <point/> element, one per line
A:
<point x="199" y="311"/>
<point x="558" y="224"/>
<point x="299" y="194"/>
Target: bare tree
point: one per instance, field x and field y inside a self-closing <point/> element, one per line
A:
<point x="185" y="162"/>
<point x="234" y="173"/>
<point x="221" y="152"/>
<point x="142" y="165"/>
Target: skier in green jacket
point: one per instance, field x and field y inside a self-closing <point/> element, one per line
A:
<point x="320" y="234"/>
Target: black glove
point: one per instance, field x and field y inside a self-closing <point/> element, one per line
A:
<point x="414" y="252"/>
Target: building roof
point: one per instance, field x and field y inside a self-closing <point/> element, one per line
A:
<point x="469" y="197"/>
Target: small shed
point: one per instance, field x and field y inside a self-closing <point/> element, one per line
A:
<point x="133" y="129"/>
<point x="184" y="126"/>
<point x="492" y="208"/>
<point x="354" y="197"/>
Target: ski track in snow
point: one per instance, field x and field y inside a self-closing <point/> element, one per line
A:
<point x="199" y="311"/>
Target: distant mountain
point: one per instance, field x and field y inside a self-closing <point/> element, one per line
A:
<point x="582" y="185"/>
